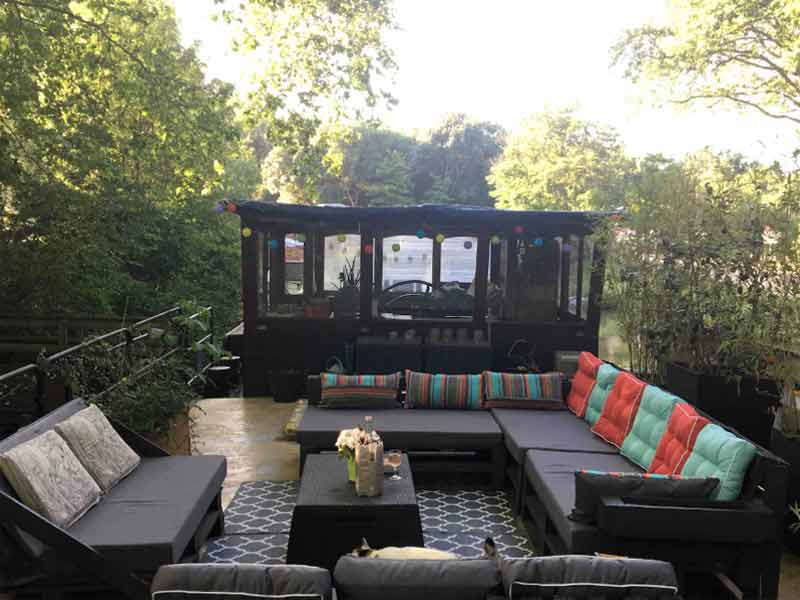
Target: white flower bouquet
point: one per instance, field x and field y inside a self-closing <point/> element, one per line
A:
<point x="350" y="438"/>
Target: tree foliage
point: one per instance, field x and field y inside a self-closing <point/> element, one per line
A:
<point x="706" y="267"/>
<point x="371" y="166"/>
<point x="560" y="162"/>
<point x="114" y="150"/>
<point x="321" y="64"/>
<point x="740" y="52"/>
<point x="454" y="160"/>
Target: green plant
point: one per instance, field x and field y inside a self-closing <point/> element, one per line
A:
<point x="707" y="269"/>
<point x="350" y="276"/>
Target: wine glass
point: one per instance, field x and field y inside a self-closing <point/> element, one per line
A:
<point x="395" y="459"/>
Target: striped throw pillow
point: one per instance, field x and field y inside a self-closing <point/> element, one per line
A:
<point x="523" y="390"/>
<point x="426" y="390"/>
<point x="359" y="391"/>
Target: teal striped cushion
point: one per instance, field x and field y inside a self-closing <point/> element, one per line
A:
<point x="522" y="390"/>
<point x="426" y="390"/>
<point x="359" y="391"/>
<point x="606" y="376"/>
<point x="721" y="454"/>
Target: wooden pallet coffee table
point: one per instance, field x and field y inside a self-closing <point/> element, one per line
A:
<point x="329" y="520"/>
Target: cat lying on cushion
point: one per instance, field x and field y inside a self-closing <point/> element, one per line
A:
<point x="415" y="552"/>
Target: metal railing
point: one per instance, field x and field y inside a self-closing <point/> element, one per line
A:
<point x="38" y="373"/>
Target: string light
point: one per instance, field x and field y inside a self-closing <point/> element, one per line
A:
<point x="495" y="239"/>
<point x="395" y="247"/>
<point x="440" y="237"/>
<point x="247" y="232"/>
<point x="519" y="229"/>
<point x="230" y="207"/>
<point x="420" y="233"/>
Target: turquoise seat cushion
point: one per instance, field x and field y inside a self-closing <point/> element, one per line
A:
<point x="649" y="426"/>
<point x="721" y="454"/>
<point x="606" y="376"/>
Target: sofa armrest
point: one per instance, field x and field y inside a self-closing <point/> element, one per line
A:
<point x="667" y="519"/>
<point x="184" y="581"/>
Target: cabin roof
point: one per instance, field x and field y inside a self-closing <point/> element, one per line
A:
<point x="423" y="216"/>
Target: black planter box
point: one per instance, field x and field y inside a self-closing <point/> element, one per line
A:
<point x="455" y="357"/>
<point x="746" y="406"/>
<point x="375" y="355"/>
<point x="286" y="386"/>
<point x="788" y="448"/>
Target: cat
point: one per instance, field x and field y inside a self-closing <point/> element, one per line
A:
<point x="416" y="552"/>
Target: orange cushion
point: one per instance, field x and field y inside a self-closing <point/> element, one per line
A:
<point x="583" y="382"/>
<point x="620" y="409"/>
<point x="678" y="440"/>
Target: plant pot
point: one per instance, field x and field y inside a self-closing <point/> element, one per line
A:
<point x="346" y="302"/>
<point x="351" y="469"/>
<point x="285" y="385"/>
<point x="747" y="405"/>
<point x="788" y="448"/>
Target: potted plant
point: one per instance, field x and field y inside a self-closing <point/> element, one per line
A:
<point x="347" y="298"/>
<point x="707" y="280"/>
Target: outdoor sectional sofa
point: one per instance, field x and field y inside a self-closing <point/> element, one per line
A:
<point x="161" y="513"/>
<point x="738" y="532"/>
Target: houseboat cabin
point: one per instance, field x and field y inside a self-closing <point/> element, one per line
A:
<point x="434" y="288"/>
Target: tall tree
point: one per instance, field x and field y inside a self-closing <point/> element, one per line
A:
<point x="111" y="135"/>
<point x="454" y="160"/>
<point x="740" y="52"/>
<point x="558" y="161"/>
<point x="321" y="64"/>
<point x="373" y="168"/>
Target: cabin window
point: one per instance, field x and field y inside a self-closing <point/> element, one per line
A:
<point x="406" y="276"/>
<point x="459" y="258"/>
<point x="293" y="258"/>
<point x="342" y="259"/>
<point x="407" y="258"/>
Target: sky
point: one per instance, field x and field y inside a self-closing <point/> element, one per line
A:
<point x="502" y="60"/>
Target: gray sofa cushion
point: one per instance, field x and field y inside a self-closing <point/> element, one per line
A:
<point x="377" y="579"/>
<point x="245" y="582"/>
<point x="405" y="429"/>
<point x="547" y="430"/>
<point x="50" y="479"/>
<point x="578" y="577"/>
<point x="552" y="476"/>
<point x="149" y="518"/>
<point x="101" y="450"/>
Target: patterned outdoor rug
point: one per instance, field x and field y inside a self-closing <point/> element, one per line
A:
<point x="259" y="517"/>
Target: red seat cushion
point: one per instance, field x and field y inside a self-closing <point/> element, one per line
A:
<point x="583" y="383"/>
<point x="620" y="409"/>
<point x="678" y="440"/>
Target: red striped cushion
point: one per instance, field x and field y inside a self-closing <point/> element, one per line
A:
<point x="426" y="390"/>
<point x="620" y="408"/>
<point x="356" y="391"/>
<point x="583" y="383"/>
<point x="678" y="440"/>
<point x="523" y="390"/>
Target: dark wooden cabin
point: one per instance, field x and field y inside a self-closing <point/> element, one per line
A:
<point x="437" y="288"/>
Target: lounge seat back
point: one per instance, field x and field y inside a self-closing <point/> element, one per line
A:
<point x="649" y="425"/>
<point x="583" y="383"/>
<point x="379" y="579"/>
<point x="619" y="410"/>
<point x="721" y="454"/>
<point x="235" y="581"/>
<point x="606" y="377"/>
<point x="578" y="577"/>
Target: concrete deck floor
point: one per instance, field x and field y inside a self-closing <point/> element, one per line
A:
<point x="249" y="432"/>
